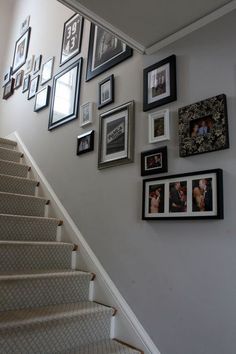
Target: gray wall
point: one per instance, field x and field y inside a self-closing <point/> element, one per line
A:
<point x="178" y="277"/>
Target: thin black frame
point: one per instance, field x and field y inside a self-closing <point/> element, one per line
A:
<point x="111" y="100"/>
<point x="38" y="62"/>
<point x="90" y="74"/>
<point x="171" y="60"/>
<point x="78" y="63"/>
<point x="48" y="89"/>
<point x="11" y="82"/>
<point x="219" y="192"/>
<point x="91" y="145"/>
<point x="37" y="86"/>
<point x="52" y="59"/>
<point x="7" y="76"/>
<point x="80" y="39"/>
<point x="162" y="150"/>
<point x="27" y="77"/>
<point x="21" y="74"/>
<point x="14" y="70"/>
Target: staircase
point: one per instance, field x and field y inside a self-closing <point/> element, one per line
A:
<point x="45" y="305"/>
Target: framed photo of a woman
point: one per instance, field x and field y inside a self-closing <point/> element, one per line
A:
<point x="21" y="51"/>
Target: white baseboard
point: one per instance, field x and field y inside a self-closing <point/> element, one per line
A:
<point x="126" y="327"/>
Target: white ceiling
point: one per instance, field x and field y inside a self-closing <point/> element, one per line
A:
<point x="149" y="22"/>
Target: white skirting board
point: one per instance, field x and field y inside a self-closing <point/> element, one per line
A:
<point x="126" y="325"/>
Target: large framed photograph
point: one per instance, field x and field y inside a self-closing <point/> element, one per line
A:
<point x="21" y="51"/>
<point x="196" y="195"/>
<point x="116" y="136"/>
<point x="86" y="114"/>
<point x="154" y="161"/>
<point x="33" y="87"/>
<point x="72" y="37"/>
<point x="105" y="51"/>
<point x="159" y="83"/>
<point x="42" y="99"/>
<point x="8" y="89"/>
<point x="65" y="95"/>
<point x="106" y="91"/>
<point x="203" y="126"/>
<point x="159" y="126"/>
<point x="85" y="142"/>
<point x="47" y="71"/>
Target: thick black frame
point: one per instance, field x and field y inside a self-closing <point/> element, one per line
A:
<point x="12" y="83"/>
<point x="162" y="150"/>
<point x="91" y="74"/>
<point x="37" y="86"/>
<point x="27" y="77"/>
<point x="111" y="79"/>
<point x="38" y="61"/>
<point x="80" y="39"/>
<point x="91" y="147"/>
<point x="14" y="70"/>
<point x="219" y="192"/>
<point x="52" y="59"/>
<point x="48" y="88"/>
<point x="171" y="60"/>
<point x="74" y="115"/>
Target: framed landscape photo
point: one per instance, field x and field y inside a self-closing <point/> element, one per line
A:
<point x="47" y="71"/>
<point x="33" y="87"/>
<point x="85" y="142"/>
<point x="86" y="114"/>
<point x="26" y="83"/>
<point x="203" y="126"/>
<point x="195" y="195"/>
<point x="158" y="126"/>
<point x="105" y="51"/>
<point x="7" y="76"/>
<point x="37" y="64"/>
<point x="116" y="136"/>
<point x="65" y="95"/>
<point x="21" y="51"/>
<point x="72" y="37"/>
<point x="19" y="79"/>
<point x="159" y="83"/>
<point x="106" y="91"/>
<point x="154" y="161"/>
<point x="42" y="99"/>
<point x="29" y="65"/>
<point x="8" y="89"/>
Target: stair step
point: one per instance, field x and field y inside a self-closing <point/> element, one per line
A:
<point x="17" y="185"/>
<point x="10" y="155"/>
<point x="8" y="144"/>
<point x="19" y="256"/>
<point x="54" y="329"/>
<point x="28" y="228"/>
<point x="18" y="291"/>
<point x="17" y="204"/>
<point x="13" y="168"/>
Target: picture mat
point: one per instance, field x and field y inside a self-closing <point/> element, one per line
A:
<point x="153" y="168"/>
<point x="165" y="68"/>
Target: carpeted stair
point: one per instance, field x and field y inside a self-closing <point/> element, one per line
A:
<point x="44" y="304"/>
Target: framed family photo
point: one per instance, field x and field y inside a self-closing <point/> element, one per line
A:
<point x="196" y="195"/>
<point x="47" y="71"/>
<point x="159" y="83"/>
<point x="33" y="87"/>
<point x="203" y="126"/>
<point x="72" y="37"/>
<point x="86" y="114"/>
<point x="42" y="99"/>
<point x="116" y="136"/>
<point x="154" y="161"/>
<point x="85" y="142"/>
<point x="106" y="91"/>
<point x="8" y="89"/>
<point x="105" y="51"/>
<point x="21" y="51"/>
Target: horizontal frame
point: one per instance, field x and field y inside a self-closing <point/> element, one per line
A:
<point x="46" y="103"/>
<point x="189" y="197"/>
<point x="89" y="136"/>
<point x="158" y="161"/>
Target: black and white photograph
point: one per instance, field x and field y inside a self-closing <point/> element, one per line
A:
<point x="26" y="83"/>
<point x="33" y="87"/>
<point x="8" y="89"/>
<point x="106" y="91"/>
<point x="85" y="142"/>
<point x="19" y="79"/>
<point x="47" y="71"/>
<point x="42" y="99"/>
<point x="154" y="161"/>
<point x="86" y="113"/>
<point x="37" y="64"/>
<point x="21" y="51"/>
<point x="159" y="128"/>
<point x="72" y="37"/>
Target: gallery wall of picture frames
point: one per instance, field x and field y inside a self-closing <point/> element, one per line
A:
<point x="202" y="126"/>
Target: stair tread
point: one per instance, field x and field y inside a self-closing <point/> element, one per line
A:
<point x="25" y="217"/>
<point x="15" y="318"/>
<point x="41" y="274"/>
<point x="36" y="243"/>
<point x="14" y="163"/>
<point x="22" y="179"/>
<point x="13" y="151"/>
<point x="24" y="196"/>
<point x="8" y="142"/>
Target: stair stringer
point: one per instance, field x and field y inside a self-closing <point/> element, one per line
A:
<point x="126" y="326"/>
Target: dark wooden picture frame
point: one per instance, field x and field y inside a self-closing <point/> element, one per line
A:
<point x="203" y="126"/>
<point x="44" y="96"/>
<point x="109" y="91"/>
<point x="105" y="51"/>
<point x="195" y="195"/>
<point x="8" y="89"/>
<point x="154" y="161"/>
<point x="21" y="51"/>
<point x="72" y="38"/>
<point x="159" y="83"/>
<point x="85" y="142"/>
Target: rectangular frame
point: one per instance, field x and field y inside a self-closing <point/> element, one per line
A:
<point x="85" y="142"/>
<point x="8" y="89"/>
<point x="19" y="79"/>
<point x="203" y="126"/>
<point x="47" y="65"/>
<point x="21" y="51"/>
<point x="37" y="64"/>
<point x="154" y="161"/>
<point x="195" y="195"/>
<point x="29" y="64"/>
<point x="26" y="83"/>
<point x="86" y="113"/>
<point x="33" y="89"/>
<point x="7" y="76"/>
<point x="159" y="132"/>
<point x="116" y="127"/>
<point x="104" y="102"/>
<point x="46" y="91"/>
<point x="159" y="80"/>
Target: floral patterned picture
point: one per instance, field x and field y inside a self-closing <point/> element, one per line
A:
<point x="203" y="126"/>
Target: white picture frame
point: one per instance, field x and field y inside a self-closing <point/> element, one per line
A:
<point x="159" y="126"/>
<point x="86" y="113"/>
<point x="47" y="70"/>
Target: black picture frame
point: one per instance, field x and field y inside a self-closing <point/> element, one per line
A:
<point x="26" y="83"/>
<point x="85" y="142"/>
<point x="109" y="90"/>
<point x="33" y="87"/>
<point x="154" y="161"/>
<point x="7" y="76"/>
<point x="159" y="79"/>
<point x="42" y="98"/>
<point x="47" y="70"/>
<point x="75" y="70"/>
<point x="108" y="57"/>
<point x="37" y="64"/>
<point x="8" y="89"/>
<point x="195" y="195"/>
<point x="203" y="126"/>
<point x="72" y="38"/>
<point x="19" y="79"/>
<point x="21" y="51"/>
